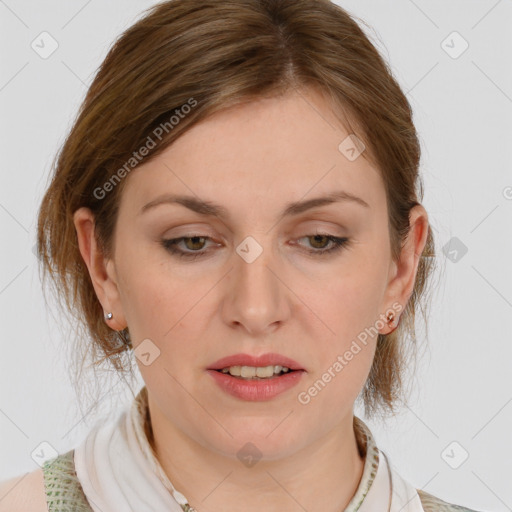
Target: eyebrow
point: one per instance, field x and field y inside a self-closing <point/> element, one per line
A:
<point x="209" y="208"/>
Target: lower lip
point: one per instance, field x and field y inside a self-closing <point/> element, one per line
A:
<point x="256" y="390"/>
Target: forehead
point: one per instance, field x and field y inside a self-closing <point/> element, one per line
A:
<point x="258" y="155"/>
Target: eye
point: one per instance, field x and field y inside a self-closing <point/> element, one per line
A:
<point x="321" y="240"/>
<point x="194" y="245"/>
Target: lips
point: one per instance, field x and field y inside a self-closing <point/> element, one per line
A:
<point x="249" y="360"/>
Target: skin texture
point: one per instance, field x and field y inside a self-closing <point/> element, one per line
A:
<point x="24" y="493"/>
<point x="254" y="160"/>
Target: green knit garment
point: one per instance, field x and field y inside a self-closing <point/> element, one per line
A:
<point x="63" y="490"/>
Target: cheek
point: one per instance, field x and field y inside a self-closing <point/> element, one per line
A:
<point x="170" y="310"/>
<point x="348" y="305"/>
<point x="345" y="354"/>
<point x="158" y="303"/>
<point x="349" y="300"/>
<point x="155" y="294"/>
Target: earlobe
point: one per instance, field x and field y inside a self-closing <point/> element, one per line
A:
<point x="104" y="284"/>
<point x="392" y="320"/>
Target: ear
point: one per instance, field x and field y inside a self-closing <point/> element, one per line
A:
<point x="403" y="273"/>
<point x="101" y="270"/>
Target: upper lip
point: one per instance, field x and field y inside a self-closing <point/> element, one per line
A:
<point x="249" y="360"/>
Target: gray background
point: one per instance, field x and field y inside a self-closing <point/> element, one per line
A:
<point x="463" y="109"/>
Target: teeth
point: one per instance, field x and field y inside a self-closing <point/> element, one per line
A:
<point x="249" y="372"/>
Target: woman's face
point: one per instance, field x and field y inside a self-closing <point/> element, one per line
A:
<point x="260" y="276"/>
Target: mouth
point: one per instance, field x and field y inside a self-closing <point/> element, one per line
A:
<point x="256" y="378"/>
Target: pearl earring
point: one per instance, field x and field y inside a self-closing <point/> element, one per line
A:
<point x="108" y="316"/>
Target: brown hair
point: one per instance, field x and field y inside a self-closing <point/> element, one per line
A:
<point x="187" y="60"/>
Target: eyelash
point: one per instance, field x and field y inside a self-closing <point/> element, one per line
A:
<point x="171" y="243"/>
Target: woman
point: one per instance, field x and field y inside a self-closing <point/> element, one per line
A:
<point x="237" y="208"/>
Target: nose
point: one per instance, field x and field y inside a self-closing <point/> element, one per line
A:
<point x="257" y="299"/>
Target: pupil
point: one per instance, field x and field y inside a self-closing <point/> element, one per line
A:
<point x="319" y="239"/>
<point x="195" y="242"/>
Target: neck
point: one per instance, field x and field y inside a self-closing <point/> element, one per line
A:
<point x="323" y="475"/>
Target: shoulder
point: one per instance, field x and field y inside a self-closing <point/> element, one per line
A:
<point x="55" y="487"/>
<point x="432" y="503"/>
<point x="24" y="493"/>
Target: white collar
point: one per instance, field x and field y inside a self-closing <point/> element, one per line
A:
<point x="403" y="498"/>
